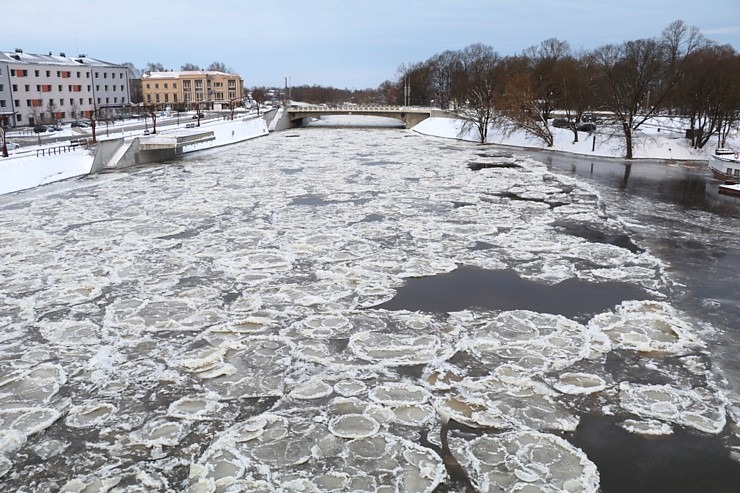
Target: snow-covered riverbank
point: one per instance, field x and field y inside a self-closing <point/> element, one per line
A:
<point x="662" y="139"/>
<point x="26" y="169"/>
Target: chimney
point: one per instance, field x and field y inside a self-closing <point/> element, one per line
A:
<point x="18" y="50"/>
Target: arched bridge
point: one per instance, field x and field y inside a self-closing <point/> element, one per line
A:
<point x="410" y="116"/>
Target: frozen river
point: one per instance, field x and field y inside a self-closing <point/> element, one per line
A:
<point x="366" y="310"/>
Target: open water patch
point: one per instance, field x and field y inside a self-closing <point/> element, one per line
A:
<point x="682" y="462"/>
<point x="471" y="287"/>
<point x="595" y="235"/>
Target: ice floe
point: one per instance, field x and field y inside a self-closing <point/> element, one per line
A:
<point x="525" y="461"/>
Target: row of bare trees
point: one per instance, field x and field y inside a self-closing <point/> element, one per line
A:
<point x="679" y="73"/>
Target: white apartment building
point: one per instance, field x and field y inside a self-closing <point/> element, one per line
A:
<point x="51" y="88"/>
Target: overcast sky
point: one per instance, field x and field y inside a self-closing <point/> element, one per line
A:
<point x="342" y="43"/>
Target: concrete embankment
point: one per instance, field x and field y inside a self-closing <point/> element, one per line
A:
<point x="26" y="169"/>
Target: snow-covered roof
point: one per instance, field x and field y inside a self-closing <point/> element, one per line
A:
<point x="51" y="59"/>
<point x="176" y="74"/>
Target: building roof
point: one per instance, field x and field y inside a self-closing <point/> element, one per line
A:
<point x="176" y="74"/>
<point x="61" y="59"/>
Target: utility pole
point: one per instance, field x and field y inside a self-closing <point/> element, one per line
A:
<point x="406" y="91"/>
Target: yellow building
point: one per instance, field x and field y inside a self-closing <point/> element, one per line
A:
<point x="190" y="90"/>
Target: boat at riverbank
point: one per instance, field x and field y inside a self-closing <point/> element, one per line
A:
<point x="725" y="165"/>
<point x="728" y="189"/>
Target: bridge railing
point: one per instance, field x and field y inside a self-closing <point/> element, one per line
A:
<point x="371" y="108"/>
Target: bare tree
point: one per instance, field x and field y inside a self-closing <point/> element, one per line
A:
<point x="51" y="109"/>
<point x="521" y="107"/>
<point x="133" y="72"/>
<point x="74" y="108"/>
<point x="544" y="62"/>
<point x="708" y="93"/>
<point x="634" y="83"/>
<point x="189" y="67"/>
<point x="258" y="95"/>
<point x="154" y="67"/>
<point x="219" y="67"/>
<point x="575" y="76"/>
<point x="479" y="63"/>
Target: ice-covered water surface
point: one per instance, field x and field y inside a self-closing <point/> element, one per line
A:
<point x="208" y="326"/>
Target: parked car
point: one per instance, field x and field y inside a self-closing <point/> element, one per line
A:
<point x="199" y="115"/>
<point x="588" y="117"/>
<point x="12" y="146"/>
<point x="54" y="128"/>
<point x="80" y="124"/>
<point x="586" y="127"/>
<point x="560" y="123"/>
<point x="39" y="129"/>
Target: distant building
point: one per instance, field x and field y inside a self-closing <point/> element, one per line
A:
<point x="188" y="90"/>
<point x="47" y="88"/>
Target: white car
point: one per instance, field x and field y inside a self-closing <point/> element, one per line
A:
<point x="12" y="146"/>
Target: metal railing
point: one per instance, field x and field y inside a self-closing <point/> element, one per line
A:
<point x="50" y="151"/>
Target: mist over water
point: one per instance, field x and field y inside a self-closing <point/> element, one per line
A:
<point x="363" y="310"/>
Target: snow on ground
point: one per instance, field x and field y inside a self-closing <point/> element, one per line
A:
<point x="25" y="168"/>
<point x="662" y="138"/>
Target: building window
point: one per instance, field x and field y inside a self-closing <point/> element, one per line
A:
<point x="78" y="75"/>
<point x="174" y="85"/>
<point x="115" y="100"/>
<point x="15" y="87"/>
<point x="87" y="75"/>
<point x="96" y="75"/>
<point x="48" y="73"/>
<point x="165" y="86"/>
<point x="2" y="103"/>
<point x="60" y="88"/>
<point x="17" y="102"/>
<point x="105" y="75"/>
<point x="107" y="100"/>
<point x="147" y="85"/>
<point x="148" y="98"/>
<point x="106" y="88"/>
<point x="156" y="86"/>
<point x="61" y="102"/>
<point x="156" y="97"/>
<point x="36" y="73"/>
